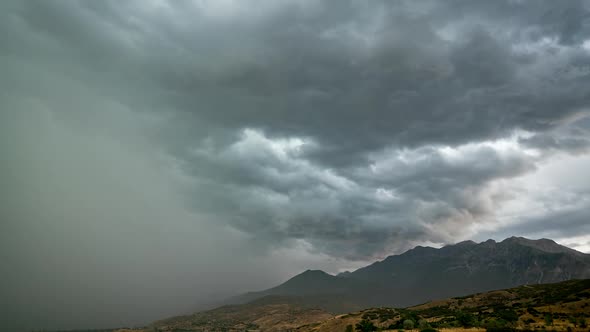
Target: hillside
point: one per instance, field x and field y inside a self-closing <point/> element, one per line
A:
<point x="561" y="306"/>
<point x="424" y="274"/>
<point x="271" y="313"/>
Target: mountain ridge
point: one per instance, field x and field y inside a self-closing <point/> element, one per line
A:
<point x="422" y="274"/>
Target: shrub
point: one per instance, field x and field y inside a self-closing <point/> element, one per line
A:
<point x="548" y="319"/>
<point x="495" y="323"/>
<point x="508" y="315"/>
<point x="423" y="324"/>
<point x="408" y="324"/>
<point x="366" y="326"/>
<point x="465" y="319"/>
<point x="349" y="328"/>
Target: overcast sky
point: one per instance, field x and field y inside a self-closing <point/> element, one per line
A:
<point x="158" y="155"/>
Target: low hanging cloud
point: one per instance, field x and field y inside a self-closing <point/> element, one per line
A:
<point x="161" y="138"/>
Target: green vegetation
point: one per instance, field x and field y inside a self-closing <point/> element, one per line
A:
<point x="466" y="319"/>
<point x="423" y="324"/>
<point x="506" y="310"/>
<point x="408" y="324"/>
<point x="548" y="319"/>
<point x="527" y="307"/>
<point x="382" y="314"/>
<point x="507" y="314"/>
<point x="366" y="325"/>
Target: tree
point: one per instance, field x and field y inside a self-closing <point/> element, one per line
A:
<point x="465" y="319"/>
<point x="408" y="324"/>
<point x="423" y="324"/>
<point x="495" y="323"/>
<point x="366" y="325"/>
<point x="508" y="315"/>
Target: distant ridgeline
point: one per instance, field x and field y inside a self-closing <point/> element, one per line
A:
<point x="423" y="274"/>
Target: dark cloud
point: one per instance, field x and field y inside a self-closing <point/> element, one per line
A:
<point x="385" y="71"/>
<point x="292" y="130"/>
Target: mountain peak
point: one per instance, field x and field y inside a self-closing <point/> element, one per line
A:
<point x="516" y="239"/>
<point x="462" y="244"/>
<point x="545" y="245"/>
<point x="314" y="273"/>
<point x="309" y="276"/>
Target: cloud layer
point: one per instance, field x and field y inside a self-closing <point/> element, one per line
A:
<point x="161" y="145"/>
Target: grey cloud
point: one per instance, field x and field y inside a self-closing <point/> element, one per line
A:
<point x="568" y="22"/>
<point x="390" y="80"/>
<point x="563" y="223"/>
<point x="573" y="144"/>
<point x="275" y="193"/>
<point x="573" y="137"/>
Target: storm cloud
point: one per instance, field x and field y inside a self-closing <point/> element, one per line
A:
<point x="158" y="155"/>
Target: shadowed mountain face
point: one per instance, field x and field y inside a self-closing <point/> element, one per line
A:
<point x="423" y="274"/>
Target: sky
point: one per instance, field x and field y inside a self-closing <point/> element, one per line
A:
<point x="158" y="156"/>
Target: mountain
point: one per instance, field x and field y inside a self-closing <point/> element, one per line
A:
<point x="423" y="274"/>
<point x="317" y="288"/>
<point x="563" y="306"/>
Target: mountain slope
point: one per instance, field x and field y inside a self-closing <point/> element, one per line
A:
<point x="423" y="274"/>
<point x="270" y="313"/>
<point x="563" y="306"/>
